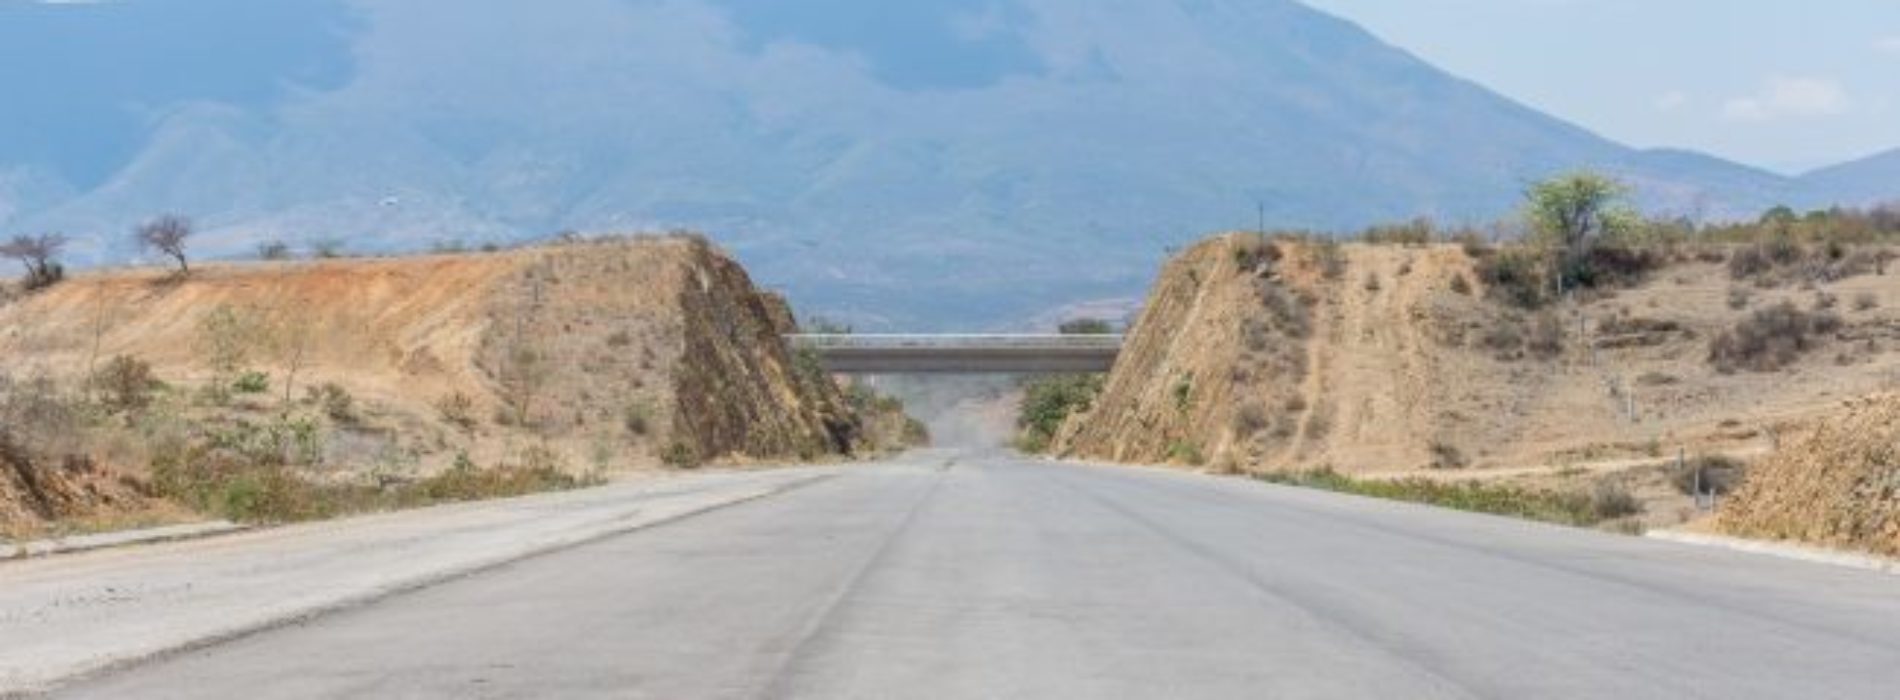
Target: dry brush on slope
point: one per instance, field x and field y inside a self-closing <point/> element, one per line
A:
<point x="1837" y="485"/>
<point x="1277" y="354"/>
<point x="579" y="358"/>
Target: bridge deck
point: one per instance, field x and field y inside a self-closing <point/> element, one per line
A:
<point x="966" y="354"/>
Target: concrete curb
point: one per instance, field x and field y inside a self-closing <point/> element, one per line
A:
<point x="1784" y="550"/>
<point x="123" y="538"/>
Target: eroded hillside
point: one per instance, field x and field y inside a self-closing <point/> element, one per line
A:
<point x="590" y="356"/>
<point x="1266" y="355"/>
<point x="1837" y="483"/>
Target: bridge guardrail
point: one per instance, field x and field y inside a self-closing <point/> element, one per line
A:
<point x="871" y="341"/>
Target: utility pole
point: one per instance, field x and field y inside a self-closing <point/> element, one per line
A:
<point x="1260" y="207"/>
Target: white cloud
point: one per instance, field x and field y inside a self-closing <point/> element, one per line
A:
<point x="1790" y="97"/>
<point x="1888" y="45"/>
<point x="1672" y="101"/>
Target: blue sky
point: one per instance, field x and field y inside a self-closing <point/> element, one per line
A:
<point x="1779" y="84"/>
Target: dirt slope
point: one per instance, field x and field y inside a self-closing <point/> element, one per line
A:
<point x="1275" y="355"/>
<point x="614" y="354"/>
<point x="1837" y="485"/>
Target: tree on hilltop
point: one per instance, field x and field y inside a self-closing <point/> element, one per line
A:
<point x="166" y="235"/>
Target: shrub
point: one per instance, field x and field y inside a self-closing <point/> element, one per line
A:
<point x="1049" y="401"/>
<point x="335" y="401"/>
<point x="1610" y="501"/>
<point x="126" y="382"/>
<point x="1250" y="419"/>
<point x="1460" y="285"/>
<point x="1255" y="253"/>
<point x="1547" y="336"/>
<point x="638" y="419"/>
<point x="1506" y="337"/>
<point x="1714" y="473"/>
<point x="1289" y="313"/>
<point x="252" y="382"/>
<point x="1739" y="298"/>
<point x="1447" y="456"/>
<point x="1770" y="339"/>
<point x="1748" y="263"/>
<point x="1372" y="281"/>
<point x="1866" y="301"/>
<point x="1568" y="508"/>
<point x="457" y="409"/>
<point x="273" y="250"/>
<point x="1332" y="259"/>
<point x="680" y="455"/>
<point x="1086" y="326"/>
<point x="1186" y="452"/>
<point x="1515" y="276"/>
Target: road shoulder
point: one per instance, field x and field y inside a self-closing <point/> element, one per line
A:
<point x="70" y="616"/>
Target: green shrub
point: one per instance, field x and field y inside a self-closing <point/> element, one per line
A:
<point x="252" y="382"/>
<point x="335" y="401"/>
<point x="680" y="455"/>
<point x="1562" y="507"/>
<point x="126" y="383"/>
<point x="1186" y="452"/>
<point x="1049" y="401"/>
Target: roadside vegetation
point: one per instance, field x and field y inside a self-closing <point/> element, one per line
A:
<point x="1605" y="504"/>
<point x="1048" y="402"/>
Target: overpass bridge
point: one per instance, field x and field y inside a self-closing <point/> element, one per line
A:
<point x="961" y="354"/>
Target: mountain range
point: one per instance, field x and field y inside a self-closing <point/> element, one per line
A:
<point x="923" y="164"/>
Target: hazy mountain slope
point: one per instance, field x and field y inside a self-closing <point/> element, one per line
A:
<point x="1868" y="180"/>
<point x="922" y="163"/>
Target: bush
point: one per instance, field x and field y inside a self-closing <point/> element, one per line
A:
<point x="1289" y="313"/>
<point x="1568" y="508"/>
<point x="40" y="278"/>
<point x="1460" y="285"/>
<point x="1547" y="336"/>
<point x="1447" y="456"/>
<point x="252" y="382"/>
<point x="335" y="401"/>
<point x="1611" y="265"/>
<point x="1610" y="501"/>
<point x="458" y="409"/>
<point x="1715" y="473"/>
<point x="126" y="382"/>
<point x="1049" y="401"/>
<point x="1770" y="339"/>
<point x="1515" y="277"/>
<point x="1866" y="301"/>
<point x="638" y="419"/>
<point x="1250" y="419"/>
<point x="680" y="455"/>
<point x="1086" y="326"/>
<point x="1186" y="452"/>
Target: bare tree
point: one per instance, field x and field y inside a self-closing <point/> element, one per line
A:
<point x="40" y="256"/>
<point x="167" y="235"/>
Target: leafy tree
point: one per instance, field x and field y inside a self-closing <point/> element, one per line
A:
<point x="1574" y="212"/>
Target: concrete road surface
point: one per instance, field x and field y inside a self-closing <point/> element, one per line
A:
<point x="989" y="577"/>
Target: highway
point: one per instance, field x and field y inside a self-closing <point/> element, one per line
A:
<point x="960" y="575"/>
